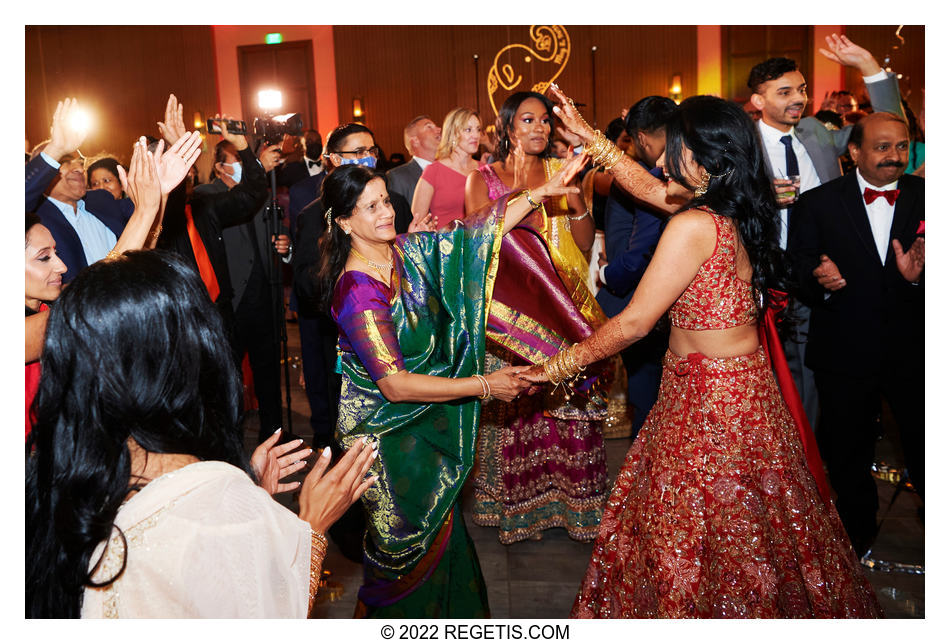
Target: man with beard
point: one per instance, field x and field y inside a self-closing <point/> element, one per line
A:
<point x="802" y="148"/>
<point x="857" y="248"/>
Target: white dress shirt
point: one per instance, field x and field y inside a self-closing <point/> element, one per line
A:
<point x="775" y="149"/>
<point x="314" y="166"/>
<point x="422" y="162"/>
<point x="880" y="216"/>
<point x="96" y="238"/>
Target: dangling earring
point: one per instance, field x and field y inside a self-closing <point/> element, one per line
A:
<point x="703" y="185"/>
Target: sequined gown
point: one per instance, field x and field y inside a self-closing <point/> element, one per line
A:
<point x="715" y="513"/>
<point x="540" y="464"/>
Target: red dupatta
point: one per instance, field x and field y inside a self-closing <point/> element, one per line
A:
<point x="769" y="339"/>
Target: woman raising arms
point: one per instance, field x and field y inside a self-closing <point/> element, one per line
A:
<point x="715" y="512"/>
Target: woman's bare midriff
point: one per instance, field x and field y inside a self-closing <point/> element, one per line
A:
<point x="715" y="343"/>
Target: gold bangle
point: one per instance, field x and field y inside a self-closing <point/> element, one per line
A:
<point x="614" y="156"/>
<point x="113" y="255"/>
<point x="534" y="204"/>
<point x="516" y="197"/>
<point x="318" y="552"/>
<point x="486" y="388"/>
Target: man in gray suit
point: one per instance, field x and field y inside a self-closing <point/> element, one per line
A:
<point x="803" y="148"/>
<point x="421" y="137"/>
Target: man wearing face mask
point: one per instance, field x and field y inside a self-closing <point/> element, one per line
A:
<point x="351" y="143"/>
<point x="249" y="264"/>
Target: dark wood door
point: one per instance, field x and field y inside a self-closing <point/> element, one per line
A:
<point x="287" y="67"/>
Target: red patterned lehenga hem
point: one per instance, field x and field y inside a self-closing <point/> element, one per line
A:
<point x="715" y="513"/>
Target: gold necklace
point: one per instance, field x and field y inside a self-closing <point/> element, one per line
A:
<point x="379" y="267"/>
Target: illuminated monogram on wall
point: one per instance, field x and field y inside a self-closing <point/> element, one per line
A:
<point x="546" y="57"/>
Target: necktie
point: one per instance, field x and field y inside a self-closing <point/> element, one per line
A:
<point x="201" y="257"/>
<point x="870" y="195"/>
<point x="791" y="161"/>
<point x="311" y="163"/>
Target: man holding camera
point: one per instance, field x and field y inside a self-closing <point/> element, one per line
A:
<point x="248" y="251"/>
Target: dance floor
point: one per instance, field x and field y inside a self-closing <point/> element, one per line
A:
<point x="538" y="579"/>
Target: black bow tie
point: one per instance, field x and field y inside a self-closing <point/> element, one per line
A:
<point x="311" y="163"/>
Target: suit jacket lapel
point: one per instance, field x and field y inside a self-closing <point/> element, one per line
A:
<point x="858" y="215"/>
<point x="904" y="209"/>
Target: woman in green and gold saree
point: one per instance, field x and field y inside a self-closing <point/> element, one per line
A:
<point x="412" y="312"/>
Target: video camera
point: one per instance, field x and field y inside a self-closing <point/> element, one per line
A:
<point x="272" y="129"/>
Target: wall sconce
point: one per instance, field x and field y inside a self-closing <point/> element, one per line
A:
<point x="357" y="109"/>
<point x="199" y="121"/>
<point x="676" y="89"/>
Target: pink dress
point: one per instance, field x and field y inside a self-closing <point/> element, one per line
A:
<point x="448" y="198"/>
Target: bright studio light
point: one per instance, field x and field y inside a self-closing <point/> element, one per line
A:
<point x="269" y="99"/>
<point x="80" y="120"/>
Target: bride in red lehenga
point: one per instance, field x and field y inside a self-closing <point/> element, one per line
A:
<point x="721" y="508"/>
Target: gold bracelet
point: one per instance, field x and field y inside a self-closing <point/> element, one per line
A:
<point x="549" y="371"/>
<point x="113" y="255"/>
<point x="486" y="388"/>
<point x="614" y="156"/>
<point x="534" y="204"/>
<point x="516" y="197"/>
<point x="318" y="552"/>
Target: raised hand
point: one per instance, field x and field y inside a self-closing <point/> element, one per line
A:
<point x="272" y="462"/>
<point x="519" y="165"/>
<point x="173" y="127"/>
<point x="828" y="275"/>
<point x="64" y="136"/>
<point x="239" y="140"/>
<point x="325" y="495"/>
<point x="142" y="183"/>
<point x="174" y="164"/>
<point x="570" y="117"/>
<point x="911" y="263"/>
<point x="424" y="225"/>
<point x="844" y="52"/>
<point x="558" y="183"/>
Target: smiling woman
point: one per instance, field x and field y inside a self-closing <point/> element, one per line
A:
<point x="412" y="312"/>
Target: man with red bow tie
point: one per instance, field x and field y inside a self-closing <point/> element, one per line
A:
<point x="857" y="249"/>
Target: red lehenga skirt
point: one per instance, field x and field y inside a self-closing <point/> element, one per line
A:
<point x="715" y="513"/>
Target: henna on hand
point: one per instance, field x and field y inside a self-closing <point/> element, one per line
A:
<point x="605" y="342"/>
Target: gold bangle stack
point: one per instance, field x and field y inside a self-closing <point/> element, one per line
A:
<point x="486" y="388"/>
<point x="113" y="255"/>
<point x="562" y="367"/>
<point x="156" y="233"/>
<point x="318" y="552"/>
<point x="603" y="152"/>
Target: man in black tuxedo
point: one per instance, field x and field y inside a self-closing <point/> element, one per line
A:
<point x="307" y="188"/>
<point x="858" y="252"/>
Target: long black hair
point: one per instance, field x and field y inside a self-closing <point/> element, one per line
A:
<point x="134" y="348"/>
<point x="340" y="192"/>
<point x="723" y="140"/>
<point x="506" y="117"/>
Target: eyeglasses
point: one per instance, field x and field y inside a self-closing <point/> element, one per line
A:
<point x="362" y="152"/>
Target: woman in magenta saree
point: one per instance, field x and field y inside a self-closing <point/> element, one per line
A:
<point x="541" y="460"/>
<point x="412" y="315"/>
